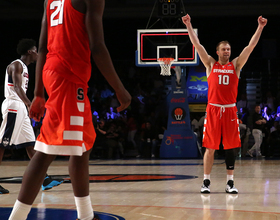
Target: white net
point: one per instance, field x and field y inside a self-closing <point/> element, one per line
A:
<point x="165" y="64"/>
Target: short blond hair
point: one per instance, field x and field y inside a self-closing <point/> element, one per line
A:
<point x="222" y="42"/>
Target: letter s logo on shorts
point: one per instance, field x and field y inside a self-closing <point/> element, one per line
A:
<point x="80" y="94"/>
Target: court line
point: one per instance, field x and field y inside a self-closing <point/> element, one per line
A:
<point x="142" y="206"/>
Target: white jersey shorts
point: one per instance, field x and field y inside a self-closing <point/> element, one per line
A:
<point x="16" y="130"/>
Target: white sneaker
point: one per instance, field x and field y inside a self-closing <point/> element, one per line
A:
<point x="205" y="188"/>
<point x="230" y="187"/>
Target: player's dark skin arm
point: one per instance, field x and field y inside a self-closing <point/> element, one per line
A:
<point x="42" y="52"/>
<point x="39" y="108"/>
<point x="93" y="19"/>
<point x="15" y="70"/>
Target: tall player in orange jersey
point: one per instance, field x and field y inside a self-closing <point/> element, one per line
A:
<point x="71" y="34"/>
<point x="221" y="113"/>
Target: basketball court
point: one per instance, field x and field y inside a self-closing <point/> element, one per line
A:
<point x="158" y="189"/>
<point x="155" y="189"/>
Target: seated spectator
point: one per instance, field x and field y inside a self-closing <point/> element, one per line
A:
<point x="132" y="129"/>
<point x="112" y="114"/>
<point x="100" y="141"/>
<point x="258" y="127"/>
<point x="148" y="139"/>
<point x="268" y="116"/>
<point x="275" y="124"/>
<point x="112" y="141"/>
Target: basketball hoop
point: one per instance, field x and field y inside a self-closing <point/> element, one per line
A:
<point x="165" y="64"/>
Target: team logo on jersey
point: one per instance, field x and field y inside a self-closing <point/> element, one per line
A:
<point x="80" y="94"/>
<point x="5" y="141"/>
<point x="25" y="75"/>
<point x="223" y="71"/>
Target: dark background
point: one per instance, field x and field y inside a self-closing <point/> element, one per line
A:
<point x="216" y="20"/>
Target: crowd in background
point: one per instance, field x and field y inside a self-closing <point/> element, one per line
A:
<point x="121" y="132"/>
<point x="124" y="134"/>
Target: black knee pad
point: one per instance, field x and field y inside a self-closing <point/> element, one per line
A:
<point x="230" y="158"/>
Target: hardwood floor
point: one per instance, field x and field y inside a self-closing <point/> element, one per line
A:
<point x="166" y="189"/>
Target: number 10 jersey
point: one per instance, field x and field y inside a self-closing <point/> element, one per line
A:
<point x="222" y="84"/>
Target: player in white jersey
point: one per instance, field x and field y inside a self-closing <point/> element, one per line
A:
<point x="16" y="131"/>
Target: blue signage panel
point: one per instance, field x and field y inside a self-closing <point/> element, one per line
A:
<point x="179" y="140"/>
<point x="197" y="86"/>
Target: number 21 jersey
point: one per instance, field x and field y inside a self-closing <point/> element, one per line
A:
<point x="68" y="42"/>
<point x="222" y="84"/>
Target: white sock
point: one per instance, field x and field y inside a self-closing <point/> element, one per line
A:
<point x="84" y="208"/>
<point x="229" y="177"/>
<point x="20" y="211"/>
<point x="206" y="176"/>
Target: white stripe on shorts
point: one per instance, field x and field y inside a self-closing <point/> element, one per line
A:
<point x="77" y="120"/>
<point x="59" y="149"/>
<point x="81" y="106"/>
<point x="73" y="135"/>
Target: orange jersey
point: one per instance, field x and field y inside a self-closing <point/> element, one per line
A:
<point x="222" y="84"/>
<point x="68" y="43"/>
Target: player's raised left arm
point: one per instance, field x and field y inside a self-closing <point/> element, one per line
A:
<point x="243" y="57"/>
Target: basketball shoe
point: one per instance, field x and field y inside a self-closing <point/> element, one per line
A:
<point x="3" y="190"/>
<point x="50" y="183"/>
<point x="230" y="187"/>
<point x="205" y="188"/>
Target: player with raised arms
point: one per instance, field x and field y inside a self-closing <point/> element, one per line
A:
<point x="221" y="112"/>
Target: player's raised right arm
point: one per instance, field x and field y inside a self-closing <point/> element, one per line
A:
<point x="205" y="58"/>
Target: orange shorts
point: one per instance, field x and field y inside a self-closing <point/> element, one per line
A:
<point x="67" y="127"/>
<point x="219" y="123"/>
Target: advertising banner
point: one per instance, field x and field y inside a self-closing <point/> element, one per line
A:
<point x="179" y="140"/>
